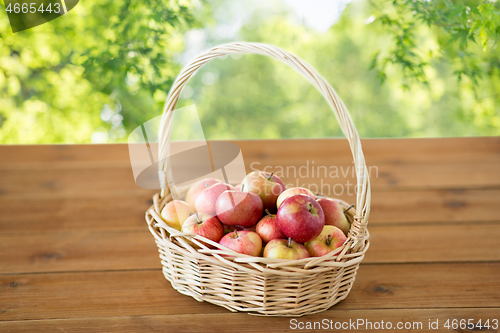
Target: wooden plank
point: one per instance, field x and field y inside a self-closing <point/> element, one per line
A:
<point x="70" y="182"/>
<point x="417" y="319"/>
<point x="106" y="210"/>
<point x="434" y="206"/>
<point x="135" y="293"/>
<point x="93" y="294"/>
<point x="109" y="209"/>
<point x="462" y="285"/>
<point x="71" y="154"/>
<point x="395" y="149"/>
<point x="401" y="163"/>
<point x="78" y="251"/>
<point x="61" y="251"/>
<point x="434" y="243"/>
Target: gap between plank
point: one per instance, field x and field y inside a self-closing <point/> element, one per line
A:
<point x="160" y="268"/>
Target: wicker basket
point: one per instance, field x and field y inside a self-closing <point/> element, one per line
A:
<point x="259" y="285"/>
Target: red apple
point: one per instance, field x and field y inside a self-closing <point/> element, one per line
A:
<point x="334" y="214"/>
<point x="245" y="242"/>
<point x="205" y="202"/>
<point x="268" y="228"/>
<point x="328" y="240"/>
<point x="266" y="185"/>
<point x="301" y="217"/>
<point x="197" y="187"/>
<point x="204" y="225"/>
<point x="293" y="191"/>
<point x="239" y="208"/>
<point x="285" y="249"/>
<point x="175" y="213"/>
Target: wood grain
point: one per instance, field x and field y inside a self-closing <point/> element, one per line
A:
<point x="78" y="251"/>
<point x="127" y="293"/>
<point x="72" y="182"/>
<point x="61" y="251"/>
<point x="229" y="322"/>
<point x="124" y="210"/>
<point x="35" y="156"/>
<point x="105" y="210"/>
<point x="401" y="163"/>
<point x="434" y="243"/>
<point x="76" y="256"/>
<point x="435" y="206"/>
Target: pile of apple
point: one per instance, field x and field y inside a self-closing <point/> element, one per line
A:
<point x="260" y="217"/>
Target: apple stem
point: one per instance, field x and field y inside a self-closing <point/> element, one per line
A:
<point x="235" y="233"/>
<point x="271" y="176"/>
<point x="197" y="218"/>
<point x="309" y="207"/>
<point x="328" y="240"/>
<point x="268" y="213"/>
<point x="242" y="187"/>
<point x="345" y="211"/>
<point x="206" y="185"/>
<point x="289" y="242"/>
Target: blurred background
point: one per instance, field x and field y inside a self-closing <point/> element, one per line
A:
<point x="403" y="69"/>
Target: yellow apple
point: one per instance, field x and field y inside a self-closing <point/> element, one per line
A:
<point x="175" y="213"/>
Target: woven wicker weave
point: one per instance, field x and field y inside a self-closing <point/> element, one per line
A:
<point x="259" y="285"/>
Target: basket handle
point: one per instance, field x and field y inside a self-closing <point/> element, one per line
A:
<point x="363" y="196"/>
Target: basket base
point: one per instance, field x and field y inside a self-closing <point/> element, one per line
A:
<point x="295" y="301"/>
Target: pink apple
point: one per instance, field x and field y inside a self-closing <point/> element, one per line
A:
<point x="266" y="185"/>
<point x="285" y="249"/>
<point x="197" y="187"/>
<point x="175" y="213"/>
<point x="245" y="242"/>
<point x="205" y="202"/>
<point x="328" y="240"/>
<point x="268" y="228"/>
<point x="293" y="191"/>
<point x="334" y="214"/>
<point x="204" y="225"/>
<point x="301" y="217"/>
<point x="239" y="208"/>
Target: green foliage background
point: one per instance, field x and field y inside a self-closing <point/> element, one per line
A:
<point x="95" y="70"/>
<point x="403" y="69"/>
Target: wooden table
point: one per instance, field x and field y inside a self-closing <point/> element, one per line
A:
<point x="76" y="255"/>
